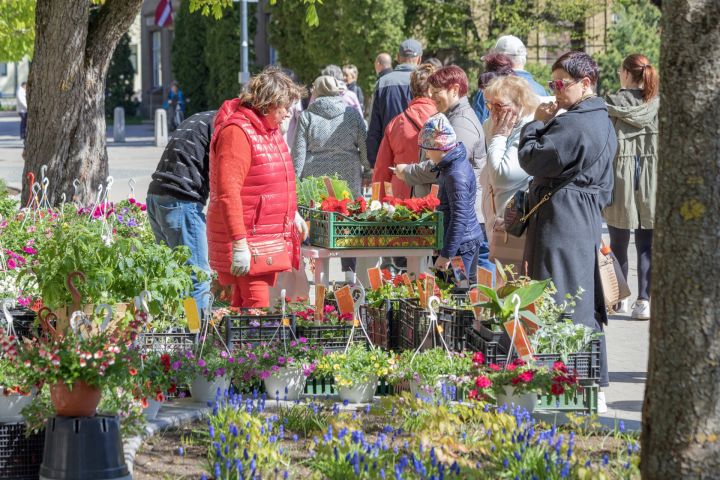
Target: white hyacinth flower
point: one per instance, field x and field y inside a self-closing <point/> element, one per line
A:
<point x="389" y="208"/>
<point x="375" y="205"/>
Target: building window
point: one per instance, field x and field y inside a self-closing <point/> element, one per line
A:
<point x="3" y="69"/>
<point x="156" y="59"/>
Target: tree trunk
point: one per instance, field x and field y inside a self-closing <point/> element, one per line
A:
<point x="66" y="93"/>
<point x="681" y="413"/>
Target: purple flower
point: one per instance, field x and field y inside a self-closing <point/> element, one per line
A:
<point x="176" y="365"/>
<point x="291" y="360"/>
<point x="281" y="360"/>
<point x="302" y="340"/>
<point x="264" y="374"/>
<point x="275" y="368"/>
<point x="293" y="343"/>
<point x="201" y="363"/>
<point x="266" y="355"/>
<point x="219" y="372"/>
<point x="223" y="354"/>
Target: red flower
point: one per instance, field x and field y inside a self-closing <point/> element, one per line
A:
<point x="160" y="397"/>
<point x="525" y="377"/>
<point x="144" y="402"/>
<point x="478" y="358"/>
<point x="560" y="367"/>
<point x="557" y="389"/>
<point x="386" y="275"/>
<point x="483" y="382"/>
<point x="510" y="366"/>
<point x="473" y="394"/>
<point x="172" y="389"/>
<point x="362" y="204"/>
<point x="133" y="371"/>
<point x="494" y="367"/>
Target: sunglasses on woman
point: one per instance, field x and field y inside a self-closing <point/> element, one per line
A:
<point x="560" y="85"/>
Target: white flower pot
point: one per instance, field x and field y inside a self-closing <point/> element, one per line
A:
<point x="11" y="406"/>
<point x="204" y="391"/>
<point x="285" y="384"/>
<point x="360" y="393"/>
<point x="523" y="400"/>
<point x="152" y="409"/>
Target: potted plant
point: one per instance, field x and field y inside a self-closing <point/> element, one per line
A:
<point x="283" y="366"/>
<point x="13" y="398"/>
<point x="153" y="381"/>
<point x="75" y="366"/>
<point x="519" y="382"/>
<point x="430" y="371"/>
<point x="207" y="371"/>
<point x="356" y="372"/>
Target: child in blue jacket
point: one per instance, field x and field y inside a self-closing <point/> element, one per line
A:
<point x="457" y="193"/>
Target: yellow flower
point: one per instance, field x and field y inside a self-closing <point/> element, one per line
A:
<point x="377" y="365"/>
<point x="336" y="367"/>
<point x="345" y="195"/>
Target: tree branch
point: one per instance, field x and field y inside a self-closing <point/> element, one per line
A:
<point x="112" y="22"/>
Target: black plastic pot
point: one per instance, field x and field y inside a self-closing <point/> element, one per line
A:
<point x="499" y="337"/>
<point x="84" y="448"/>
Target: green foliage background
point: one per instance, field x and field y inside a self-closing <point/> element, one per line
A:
<point x="636" y="31"/>
<point x="17" y="29"/>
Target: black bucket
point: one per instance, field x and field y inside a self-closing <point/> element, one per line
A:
<point x="84" y="448"/>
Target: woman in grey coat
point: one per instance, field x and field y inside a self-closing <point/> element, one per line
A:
<point x="563" y="236"/>
<point x="330" y="137"/>
<point x="330" y="140"/>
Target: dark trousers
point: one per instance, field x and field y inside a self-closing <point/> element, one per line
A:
<point x="619" y="242"/>
<point x="23" y="125"/>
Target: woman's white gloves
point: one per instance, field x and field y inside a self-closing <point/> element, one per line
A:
<point x="301" y="226"/>
<point x="240" y="258"/>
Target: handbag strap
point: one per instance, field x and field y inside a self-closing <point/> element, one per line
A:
<point x="417" y="127"/>
<point x="566" y="182"/>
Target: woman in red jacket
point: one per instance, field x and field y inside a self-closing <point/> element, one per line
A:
<point x="252" y="190"/>
<point x="399" y="144"/>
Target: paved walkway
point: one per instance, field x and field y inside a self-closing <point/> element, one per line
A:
<point x="627" y="339"/>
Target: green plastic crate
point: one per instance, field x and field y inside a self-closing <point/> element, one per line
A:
<point x="334" y="230"/>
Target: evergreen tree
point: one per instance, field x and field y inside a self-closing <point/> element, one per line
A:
<point x="637" y="30"/>
<point x="188" y="54"/>
<point x="120" y="78"/>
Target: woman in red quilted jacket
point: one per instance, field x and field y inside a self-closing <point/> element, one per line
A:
<point x="253" y="206"/>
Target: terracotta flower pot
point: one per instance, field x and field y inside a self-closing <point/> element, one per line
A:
<point x="81" y="401"/>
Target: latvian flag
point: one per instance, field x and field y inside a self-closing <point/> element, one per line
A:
<point x="163" y="13"/>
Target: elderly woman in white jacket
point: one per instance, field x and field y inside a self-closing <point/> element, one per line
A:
<point x="511" y="103"/>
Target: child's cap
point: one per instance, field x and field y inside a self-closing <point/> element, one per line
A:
<point x="437" y="134"/>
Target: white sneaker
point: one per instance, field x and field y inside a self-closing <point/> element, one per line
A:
<point x="641" y="310"/>
<point x="623" y="306"/>
<point x="602" y="406"/>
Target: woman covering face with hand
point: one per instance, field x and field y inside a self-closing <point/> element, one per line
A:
<point x="564" y="233"/>
<point x="511" y="103"/>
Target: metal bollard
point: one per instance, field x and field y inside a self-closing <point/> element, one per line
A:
<point x="119" y="125"/>
<point x="161" y="128"/>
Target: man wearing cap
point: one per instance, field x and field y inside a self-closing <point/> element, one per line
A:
<point x="392" y="95"/>
<point x="514" y="48"/>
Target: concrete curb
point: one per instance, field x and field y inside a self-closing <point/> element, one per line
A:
<point x="170" y="416"/>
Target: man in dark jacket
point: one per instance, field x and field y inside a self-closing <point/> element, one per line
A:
<point x="392" y="95"/>
<point x="457" y="194"/>
<point x="179" y="191"/>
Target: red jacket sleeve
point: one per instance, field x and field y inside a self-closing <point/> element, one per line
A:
<point x="385" y="159"/>
<point x="234" y="156"/>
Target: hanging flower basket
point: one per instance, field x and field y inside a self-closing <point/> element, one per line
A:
<point x="285" y="384"/>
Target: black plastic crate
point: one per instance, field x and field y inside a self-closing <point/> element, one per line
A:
<point x="331" y="337"/>
<point x="501" y="338"/>
<point x="256" y="329"/>
<point x="456" y="320"/>
<point x="20" y="456"/>
<point x="586" y="365"/>
<point x="414" y="323"/>
<point x="170" y="343"/>
<point x="24" y="322"/>
<point x="377" y="321"/>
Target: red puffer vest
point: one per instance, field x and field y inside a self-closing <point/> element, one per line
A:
<point x="268" y="194"/>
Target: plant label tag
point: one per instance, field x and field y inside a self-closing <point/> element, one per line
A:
<point x="484" y="277"/>
<point x="375" y="277"/>
<point x="421" y="293"/>
<point x="458" y="268"/>
<point x="376" y="191"/>
<point x="329" y="187"/>
<point x="476" y="297"/>
<point x="406" y="280"/>
<point x="285" y="322"/>
<point x="430" y="288"/>
<point x="346" y="304"/>
<point x="388" y="189"/>
<point x="521" y="342"/>
<point x="434" y="190"/>
<point x="530" y="325"/>
<point x="319" y="302"/>
<point x="191" y="314"/>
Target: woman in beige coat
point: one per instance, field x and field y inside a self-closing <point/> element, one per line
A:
<point x="634" y="112"/>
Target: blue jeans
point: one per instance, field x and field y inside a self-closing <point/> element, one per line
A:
<point x="470" y="253"/>
<point x="182" y="222"/>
